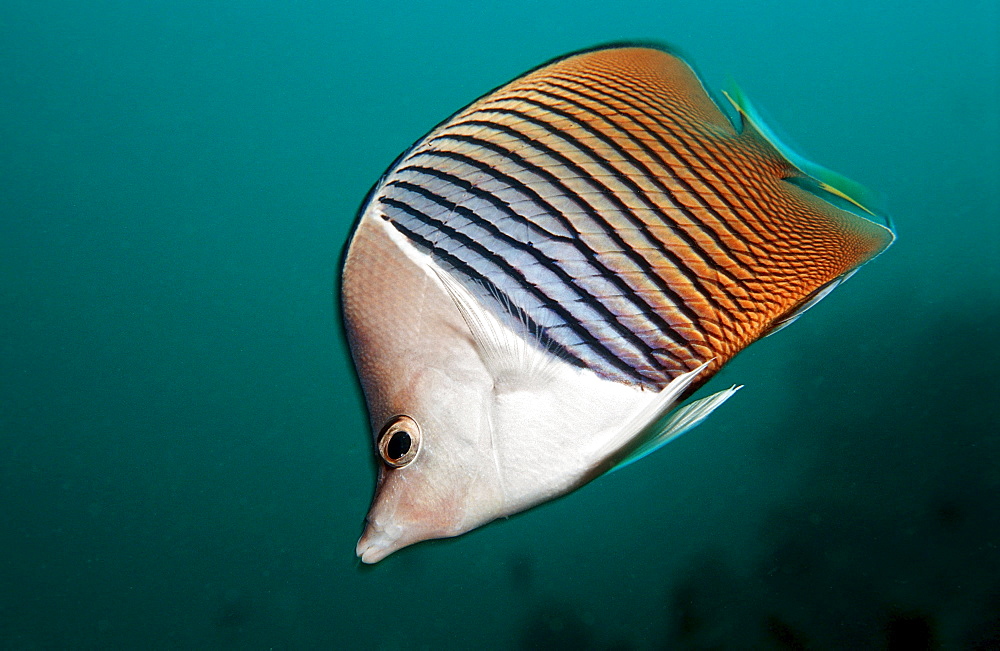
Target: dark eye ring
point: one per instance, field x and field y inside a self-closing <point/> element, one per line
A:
<point x="399" y="441"/>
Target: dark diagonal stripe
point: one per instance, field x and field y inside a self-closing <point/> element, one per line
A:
<point x="640" y="347"/>
<point x="682" y="234"/>
<point x="679" y="303"/>
<point x="664" y="118"/>
<point x="570" y="321"/>
<point x="716" y="163"/>
<point x="455" y="262"/>
<point x="591" y="256"/>
<point x="597" y="96"/>
<point x="544" y="261"/>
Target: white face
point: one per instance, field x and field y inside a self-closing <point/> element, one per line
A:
<point x="444" y="483"/>
<point x="460" y="440"/>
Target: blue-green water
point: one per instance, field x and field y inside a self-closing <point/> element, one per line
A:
<point x="184" y="456"/>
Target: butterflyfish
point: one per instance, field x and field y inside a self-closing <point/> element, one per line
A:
<point x="533" y="290"/>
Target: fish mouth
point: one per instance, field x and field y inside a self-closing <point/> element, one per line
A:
<point x="383" y="538"/>
<point x="377" y="542"/>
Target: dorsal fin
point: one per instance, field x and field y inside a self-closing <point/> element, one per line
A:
<point x="815" y="178"/>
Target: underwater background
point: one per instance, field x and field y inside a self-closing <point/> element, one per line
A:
<point x="185" y="459"/>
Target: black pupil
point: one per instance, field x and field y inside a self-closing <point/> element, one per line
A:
<point x="399" y="444"/>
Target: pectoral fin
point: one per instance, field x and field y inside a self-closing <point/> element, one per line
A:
<point x="658" y="423"/>
<point x="675" y="423"/>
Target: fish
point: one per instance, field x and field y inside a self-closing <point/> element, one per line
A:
<point x="533" y="291"/>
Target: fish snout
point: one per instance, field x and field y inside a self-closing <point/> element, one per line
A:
<point x="393" y="524"/>
<point x="377" y="541"/>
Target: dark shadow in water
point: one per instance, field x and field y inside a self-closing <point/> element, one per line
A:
<point x="910" y="631"/>
<point x="234" y="612"/>
<point x="556" y="627"/>
<point x="233" y="617"/>
<point x="521" y="571"/>
<point x="783" y="635"/>
<point x="891" y="542"/>
<point x="708" y="607"/>
<point x="985" y="633"/>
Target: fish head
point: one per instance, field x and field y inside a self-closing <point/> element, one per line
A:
<point x="470" y="421"/>
<point x="427" y="393"/>
<point x="435" y="478"/>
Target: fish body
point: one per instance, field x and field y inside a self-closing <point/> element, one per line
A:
<point x="534" y="287"/>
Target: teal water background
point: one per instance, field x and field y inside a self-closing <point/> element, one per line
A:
<point x="184" y="455"/>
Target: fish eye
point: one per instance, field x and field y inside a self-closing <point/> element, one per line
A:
<point x="399" y="441"/>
